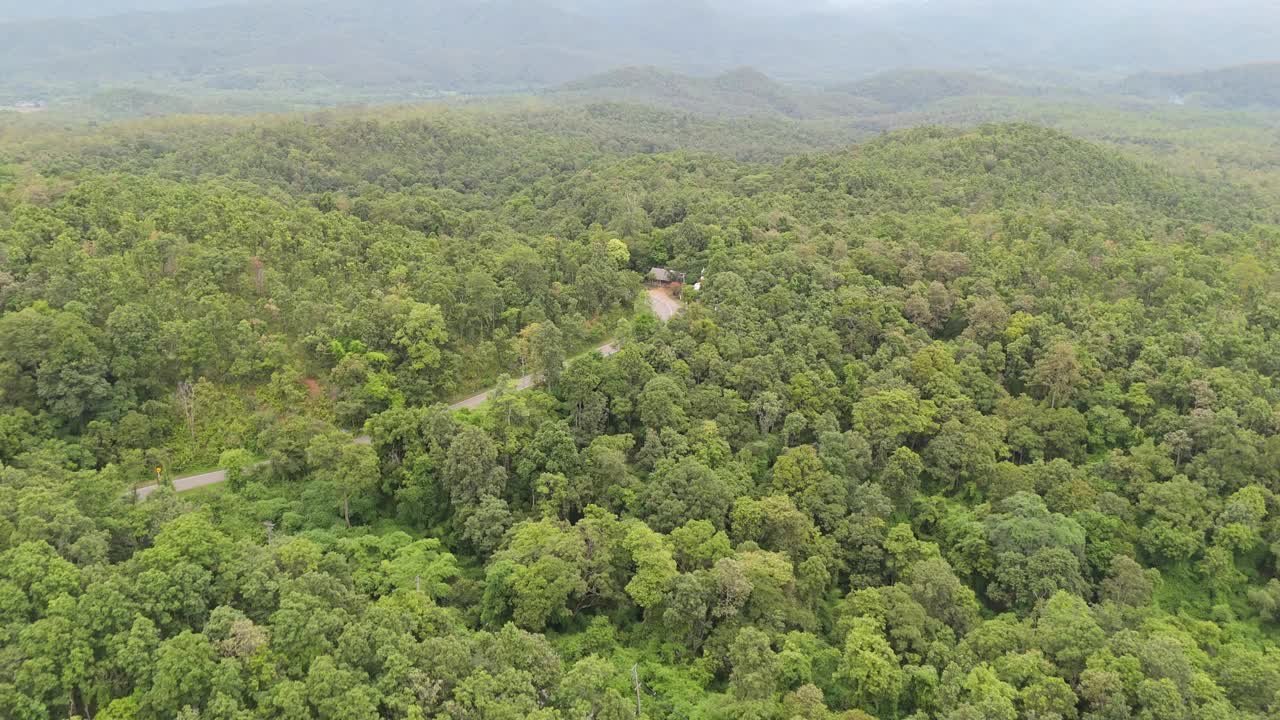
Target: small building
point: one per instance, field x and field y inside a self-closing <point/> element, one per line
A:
<point x="665" y="276"/>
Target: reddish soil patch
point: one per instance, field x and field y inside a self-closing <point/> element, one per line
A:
<point x="314" y="389"/>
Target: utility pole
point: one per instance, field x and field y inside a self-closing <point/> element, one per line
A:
<point x="635" y="680"/>
<point x="270" y="526"/>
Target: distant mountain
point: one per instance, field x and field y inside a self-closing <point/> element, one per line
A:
<point x="348" y="50"/>
<point x="910" y="89"/>
<point x="737" y="93"/>
<point x="338" y="50"/>
<point x="1240" y="87"/>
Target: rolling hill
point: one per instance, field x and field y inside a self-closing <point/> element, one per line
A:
<point x="1241" y="87"/>
<point x="912" y="89"/>
<point x="737" y="93"/>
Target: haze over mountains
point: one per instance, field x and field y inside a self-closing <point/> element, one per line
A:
<point x="1254" y="85"/>
<point x="398" y="49"/>
<point x="11" y="10"/>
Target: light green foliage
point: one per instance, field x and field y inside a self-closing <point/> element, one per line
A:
<point x="423" y="567"/>
<point x="870" y="668"/>
<point x="534" y="577"/>
<point x="420" y="336"/>
<point x="238" y="463"/>
<point x="655" y="568"/>
<point x="962" y="425"/>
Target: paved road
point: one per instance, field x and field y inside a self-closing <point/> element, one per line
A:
<point x="190" y="482"/>
<point x="523" y="383"/>
<point x="663" y="303"/>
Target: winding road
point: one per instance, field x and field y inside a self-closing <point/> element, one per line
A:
<point x="661" y="301"/>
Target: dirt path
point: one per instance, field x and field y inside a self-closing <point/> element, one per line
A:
<point x="664" y="304"/>
<point x="661" y="301"/>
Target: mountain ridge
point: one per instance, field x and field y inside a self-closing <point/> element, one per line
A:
<point x="404" y="48"/>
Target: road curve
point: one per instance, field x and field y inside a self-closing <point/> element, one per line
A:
<point x="524" y="383"/>
<point x="661" y="301"/>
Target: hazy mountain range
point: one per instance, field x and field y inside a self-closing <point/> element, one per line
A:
<point x="17" y="10"/>
<point x="402" y="48"/>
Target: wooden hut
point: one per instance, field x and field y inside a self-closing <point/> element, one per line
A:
<point x="663" y="276"/>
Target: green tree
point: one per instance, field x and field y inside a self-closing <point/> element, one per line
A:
<point x="183" y="677"/>
<point x="238" y="463"/>
<point x="870" y="668"/>
<point x="544" y="351"/>
<point x="655" y="567"/>
<point x="471" y="470"/>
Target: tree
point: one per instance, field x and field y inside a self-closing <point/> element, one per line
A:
<point x="336" y="693"/>
<point x="655" y="568"/>
<point x="1128" y="584"/>
<point x="768" y="408"/>
<point x="420" y="336"/>
<point x="1065" y="628"/>
<point x="1177" y="519"/>
<point x="901" y="476"/>
<point x="893" y="418"/>
<point x="755" y="666"/>
<point x="679" y="490"/>
<point x="662" y="404"/>
<point x="1037" y="552"/>
<point x="58" y="357"/>
<point x="487" y="524"/>
<point x="238" y="463"/>
<point x="774" y="523"/>
<point x="619" y="253"/>
<point x="544" y="351"/>
<point x="933" y="583"/>
<point x="355" y="476"/>
<point x="471" y="470"/>
<point x="288" y="447"/>
<point x="1059" y="373"/>
<point x="870" y="668"/>
<point x="349" y="469"/>
<point x="484" y="301"/>
<point x="183" y="677"/>
<point x="535" y="575"/>
<point x="587" y="690"/>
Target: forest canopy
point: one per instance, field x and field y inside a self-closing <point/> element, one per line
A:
<point x="959" y="424"/>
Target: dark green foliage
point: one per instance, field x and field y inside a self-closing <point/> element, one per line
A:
<point x="960" y="424"/>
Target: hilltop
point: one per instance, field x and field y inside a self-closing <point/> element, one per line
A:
<point x="737" y="93"/>
<point x="909" y="89"/>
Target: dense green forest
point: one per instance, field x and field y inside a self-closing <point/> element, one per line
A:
<point x="962" y="424"/>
